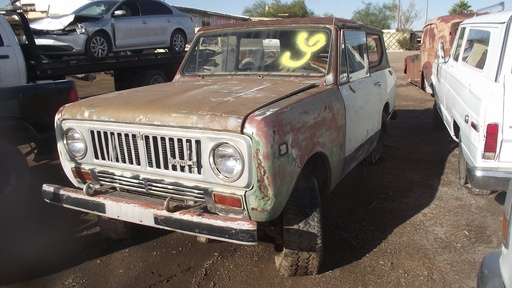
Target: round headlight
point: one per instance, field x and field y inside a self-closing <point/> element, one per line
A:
<point x="75" y="143"/>
<point x="227" y="162"/>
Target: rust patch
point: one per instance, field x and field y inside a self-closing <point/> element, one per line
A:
<point x="262" y="175"/>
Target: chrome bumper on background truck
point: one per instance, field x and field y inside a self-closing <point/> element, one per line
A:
<point x="192" y="221"/>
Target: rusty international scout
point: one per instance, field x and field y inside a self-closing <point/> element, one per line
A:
<point x="262" y="119"/>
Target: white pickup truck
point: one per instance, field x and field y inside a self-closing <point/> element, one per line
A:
<point x="473" y="95"/>
<point x="27" y="111"/>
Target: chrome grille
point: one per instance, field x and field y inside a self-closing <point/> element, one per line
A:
<point x="152" y="187"/>
<point x="182" y="155"/>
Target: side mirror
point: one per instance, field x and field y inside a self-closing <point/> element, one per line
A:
<point x="119" y="13"/>
<point x="440" y="53"/>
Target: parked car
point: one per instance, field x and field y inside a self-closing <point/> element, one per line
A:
<point x="101" y="27"/>
<point x="472" y="90"/>
<point x="262" y="120"/>
<point x="418" y="67"/>
<point x="496" y="268"/>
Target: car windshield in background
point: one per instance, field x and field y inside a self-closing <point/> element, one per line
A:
<point x="96" y="8"/>
<point x="277" y="51"/>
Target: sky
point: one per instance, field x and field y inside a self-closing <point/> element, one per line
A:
<point x="340" y="8"/>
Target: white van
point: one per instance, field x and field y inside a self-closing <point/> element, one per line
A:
<point x="472" y="89"/>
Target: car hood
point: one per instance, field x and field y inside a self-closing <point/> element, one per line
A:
<point x="61" y="22"/>
<point x="217" y="104"/>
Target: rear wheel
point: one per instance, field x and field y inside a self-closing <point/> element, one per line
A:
<point x="97" y="45"/>
<point x="178" y="41"/>
<point x="152" y="77"/>
<point x="376" y="154"/>
<point x="14" y="173"/>
<point x="302" y="230"/>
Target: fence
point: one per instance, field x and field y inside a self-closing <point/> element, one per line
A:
<point x="391" y="39"/>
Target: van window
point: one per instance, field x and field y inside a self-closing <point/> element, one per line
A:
<point x="459" y="44"/>
<point x="475" y="49"/>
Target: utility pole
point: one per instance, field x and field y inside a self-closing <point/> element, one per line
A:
<point x="399" y="20"/>
<point x="426" y="13"/>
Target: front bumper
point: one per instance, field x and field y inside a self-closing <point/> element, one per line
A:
<point x="191" y="221"/>
<point x="492" y="180"/>
<point x="71" y="44"/>
<point x="489" y="275"/>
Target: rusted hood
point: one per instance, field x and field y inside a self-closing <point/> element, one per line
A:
<point x="218" y="104"/>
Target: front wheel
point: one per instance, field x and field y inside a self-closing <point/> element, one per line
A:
<point x="97" y="46"/>
<point x="114" y="229"/>
<point x="302" y="230"/>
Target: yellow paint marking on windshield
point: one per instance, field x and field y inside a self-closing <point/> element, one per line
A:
<point x="307" y="46"/>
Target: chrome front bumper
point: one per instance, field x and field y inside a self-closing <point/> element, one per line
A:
<point x="192" y="221"/>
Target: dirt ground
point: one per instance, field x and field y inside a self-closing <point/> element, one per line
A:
<point x="402" y="223"/>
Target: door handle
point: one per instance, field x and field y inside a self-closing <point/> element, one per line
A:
<point x="466" y="118"/>
<point x="378" y="83"/>
<point x="144" y="22"/>
<point x="4" y="57"/>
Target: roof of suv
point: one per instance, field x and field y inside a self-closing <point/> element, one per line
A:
<point x="340" y="22"/>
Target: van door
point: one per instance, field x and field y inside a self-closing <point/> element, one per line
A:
<point x="12" y="72"/>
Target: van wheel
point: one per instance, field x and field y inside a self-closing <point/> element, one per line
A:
<point x="14" y="173"/>
<point x="302" y="230"/>
<point x="463" y="174"/>
<point x="115" y="229"/>
<point x="376" y="154"/>
<point x="178" y="41"/>
<point x="97" y="46"/>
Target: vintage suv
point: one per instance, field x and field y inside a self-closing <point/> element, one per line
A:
<point x="472" y="90"/>
<point x="262" y="120"/>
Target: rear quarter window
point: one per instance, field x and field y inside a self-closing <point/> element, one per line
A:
<point x="476" y="48"/>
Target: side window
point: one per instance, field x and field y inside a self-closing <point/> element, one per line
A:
<point x="475" y="49"/>
<point x="131" y="8"/>
<point x="375" y="50"/>
<point x="459" y="44"/>
<point x="356" y="51"/>
<point x="1" y="41"/>
<point x="156" y="8"/>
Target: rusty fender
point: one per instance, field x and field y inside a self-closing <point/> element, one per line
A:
<point x="189" y="221"/>
<point x="285" y="135"/>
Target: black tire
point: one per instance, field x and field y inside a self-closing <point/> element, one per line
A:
<point x="463" y="175"/>
<point x="376" y="154"/>
<point x="302" y="230"/>
<point x="115" y="229"/>
<point x="14" y="173"/>
<point x="97" y="46"/>
<point x="152" y="77"/>
<point x="178" y="41"/>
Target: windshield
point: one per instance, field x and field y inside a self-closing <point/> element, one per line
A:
<point x="96" y="8"/>
<point x="271" y="51"/>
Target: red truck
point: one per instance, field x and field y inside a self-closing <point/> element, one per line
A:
<point x="418" y="67"/>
